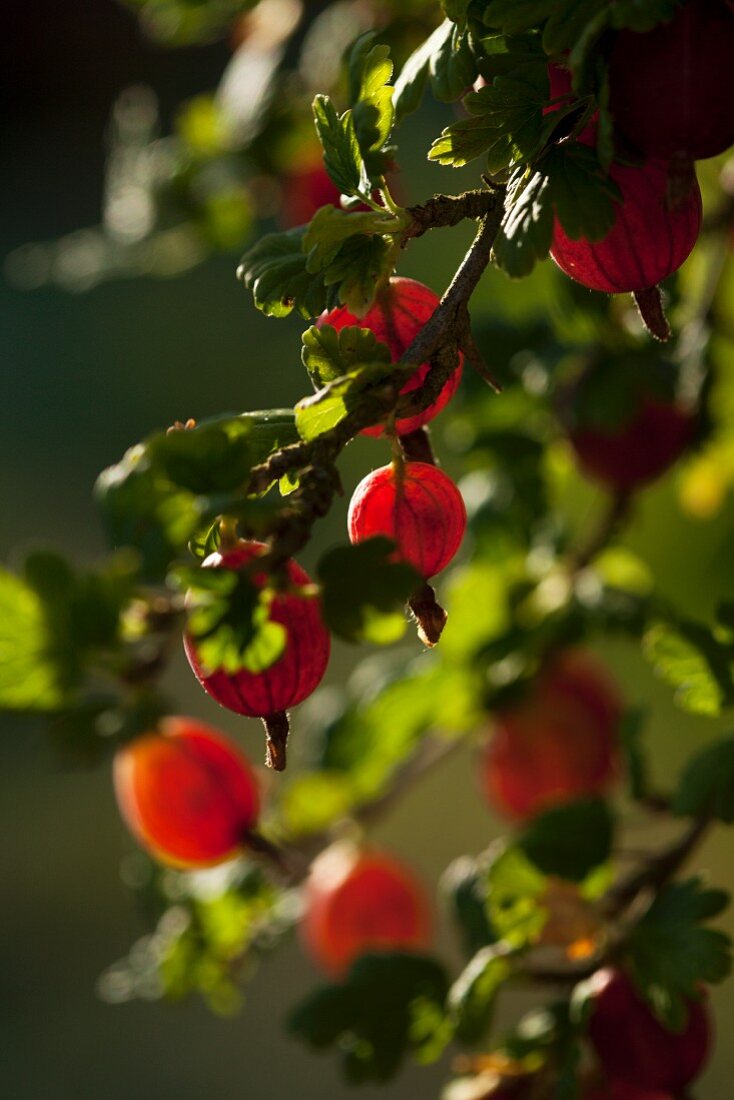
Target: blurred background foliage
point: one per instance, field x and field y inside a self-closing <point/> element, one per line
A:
<point x="89" y="373"/>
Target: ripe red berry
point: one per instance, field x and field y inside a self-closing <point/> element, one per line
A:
<point x="358" y="901"/>
<point x="648" y="241"/>
<point x="398" y="314"/>
<point x="300" y="667"/>
<point x="186" y="793"/>
<point x="651" y="431"/>
<point x="672" y="87"/>
<point x="634" y="1047"/>
<point x="623" y="1090"/>
<point x="557" y="744"/>
<point x="418" y="506"/>
<point x="305" y="189"/>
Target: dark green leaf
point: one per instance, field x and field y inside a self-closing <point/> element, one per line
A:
<point x="515" y="16"/>
<point x="506" y="121"/>
<point x="447" y="59"/>
<point x="570" y="841"/>
<point x="164" y="492"/>
<point x="329" y="354"/>
<point x="331" y="227"/>
<point x="365" y="590"/>
<point x="464" y="887"/>
<point x="630" y="735"/>
<point x="378" y="1016"/>
<point x="707" y="784"/>
<point x="275" y="270"/>
<point x="360" y="265"/>
<point x="569" y="183"/>
<point x="670" y="952"/>
<point x="472" y="996"/>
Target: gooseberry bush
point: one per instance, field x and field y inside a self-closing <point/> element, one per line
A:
<point x="581" y="125"/>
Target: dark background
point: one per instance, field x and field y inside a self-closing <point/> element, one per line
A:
<point x="84" y="377"/>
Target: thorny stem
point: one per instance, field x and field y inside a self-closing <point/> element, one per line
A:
<point x="616" y="512"/>
<point x="644" y="881"/>
<point x="436" y="343"/>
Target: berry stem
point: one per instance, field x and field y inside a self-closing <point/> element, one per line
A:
<point x="277" y="728"/>
<point x="650" y="308"/>
<point x="428" y="614"/>
<point x="416" y="447"/>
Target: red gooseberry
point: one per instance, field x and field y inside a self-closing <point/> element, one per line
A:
<point x="186" y="793"/>
<point x="622" y="1090"/>
<point x="305" y="189"/>
<point x="652" y="430"/>
<point x="633" y="1046"/>
<point x="558" y="743"/>
<point x="418" y="506"/>
<point x="358" y="901"/>
<point x="399" y="312"/>
<point x="672" y="87"/>
<point x="648" y="241"/>
<point x="294" y="675"/>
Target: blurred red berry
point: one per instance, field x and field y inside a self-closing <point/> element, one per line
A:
<point x="186" y="793"/>
<point x="358" y="901"/>
<point x="633" y="1046"/>
<point x="672" y="88"/>
<point x="557" y="744"/>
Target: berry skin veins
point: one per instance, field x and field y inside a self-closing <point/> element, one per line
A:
<point x="418" y="506"/>
<point x="397" y="316"/>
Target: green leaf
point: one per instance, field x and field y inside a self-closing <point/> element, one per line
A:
<point x="515" y="892"/>
<point x="203" y="940"/>
<point x="472" y="996"/>
<point x="360" y="265"/>
<point x="689" y="658"/>
<point x="217" y="455"/>
<point x="515" y="16"/>
<point x="29" y="675"/>
<point x="342" y="154"/>
<point x="378" y="1016"/>
<point x="670" y="952"/>
<point x="570" y="841"/>
<point x="446" y="58"/>
<point x="365" y="590"/>
<point x="330" y="228"/>
<point x="229" y="617"/>
<point x="165" y="493"/>
<point x="707" y="784"/>
<point x="566" y="21"/>
<point x="275" y="270"/>
<point x="506" y="121"/>
<point x="333" y="402"/>
<point x="370" y="70"/>
<point x="329" y="354"/>
<point x="568" y="183"/>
